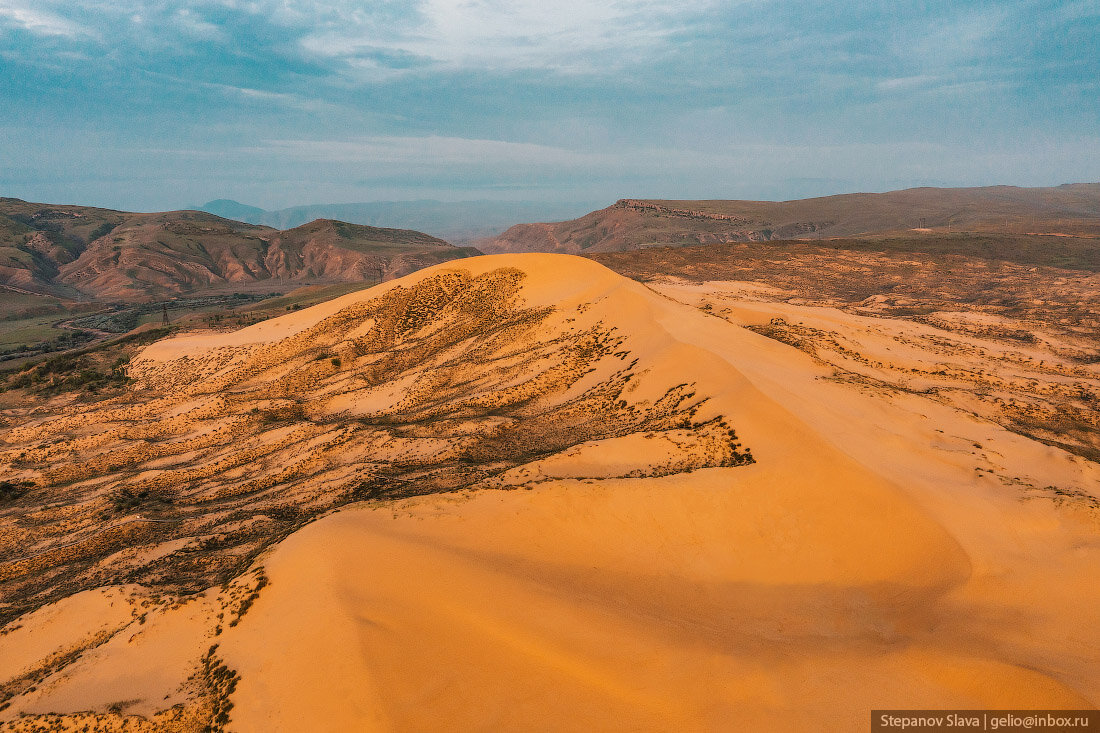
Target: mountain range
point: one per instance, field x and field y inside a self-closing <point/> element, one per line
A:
<point x="456" y="221"/>
<point x="1072" y="209"/>
<point x="90" y="253"/>
<point x="85" y="252"/>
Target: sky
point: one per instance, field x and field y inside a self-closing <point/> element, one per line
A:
<point x="150" y="105"/>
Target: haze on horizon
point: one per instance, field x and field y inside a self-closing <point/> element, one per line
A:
<point x="149" y="106"/>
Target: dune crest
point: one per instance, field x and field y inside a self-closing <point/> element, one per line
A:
<point x="575" y="500"/>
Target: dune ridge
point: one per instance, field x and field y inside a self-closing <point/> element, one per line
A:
<point x="660" y="520"/>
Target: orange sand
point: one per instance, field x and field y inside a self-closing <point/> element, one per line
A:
<point x="862" y="562"/>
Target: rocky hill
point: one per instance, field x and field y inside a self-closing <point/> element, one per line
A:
<point x="1071" y="210"/>
<point x="103" y="254"/>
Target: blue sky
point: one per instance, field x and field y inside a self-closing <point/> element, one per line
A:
<point x="152" y="105"/>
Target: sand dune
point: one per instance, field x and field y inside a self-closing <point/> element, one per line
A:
<point x="878" y="550"/>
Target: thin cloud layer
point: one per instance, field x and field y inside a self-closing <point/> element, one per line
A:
<point x="575" y="98"/>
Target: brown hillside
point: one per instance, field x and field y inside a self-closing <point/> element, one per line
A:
<point x="1071" y="210"/>
<point x="117" y="255"/>
<point x="36" y="240"/>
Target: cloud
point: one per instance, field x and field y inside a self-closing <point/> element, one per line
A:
<point x="195" y="26"/>
<point x="962" y="35"/>
<point x="905" y="82"/>
<point x="38" y="21"/>
<point x="569" y="36"/>
<point x="247" y="94"/>
<point x="627" y="96"/>
<point x="433" y="150"/>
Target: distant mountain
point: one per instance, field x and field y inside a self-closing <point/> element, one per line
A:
<point x="1072" y="209"/>
<point x="104" y="254"/>
<point x="461" y="221"/>
<point x="228" y="209"/>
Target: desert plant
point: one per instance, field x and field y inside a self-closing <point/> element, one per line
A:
<point x="12" y="490"/>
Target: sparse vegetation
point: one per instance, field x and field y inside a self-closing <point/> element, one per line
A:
<point x="88" y="370"/>
<point x="127" y="500"/>
<point x="220" y="682"/>
<point x="1013" y="290"/>
<point x="12" y="490"/>
<point x="102" y="230"/>
<point x="69" y="373"/>
<point x="245" y="450"/>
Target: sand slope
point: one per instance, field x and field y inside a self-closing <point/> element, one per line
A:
<point x="860" y="562"/>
